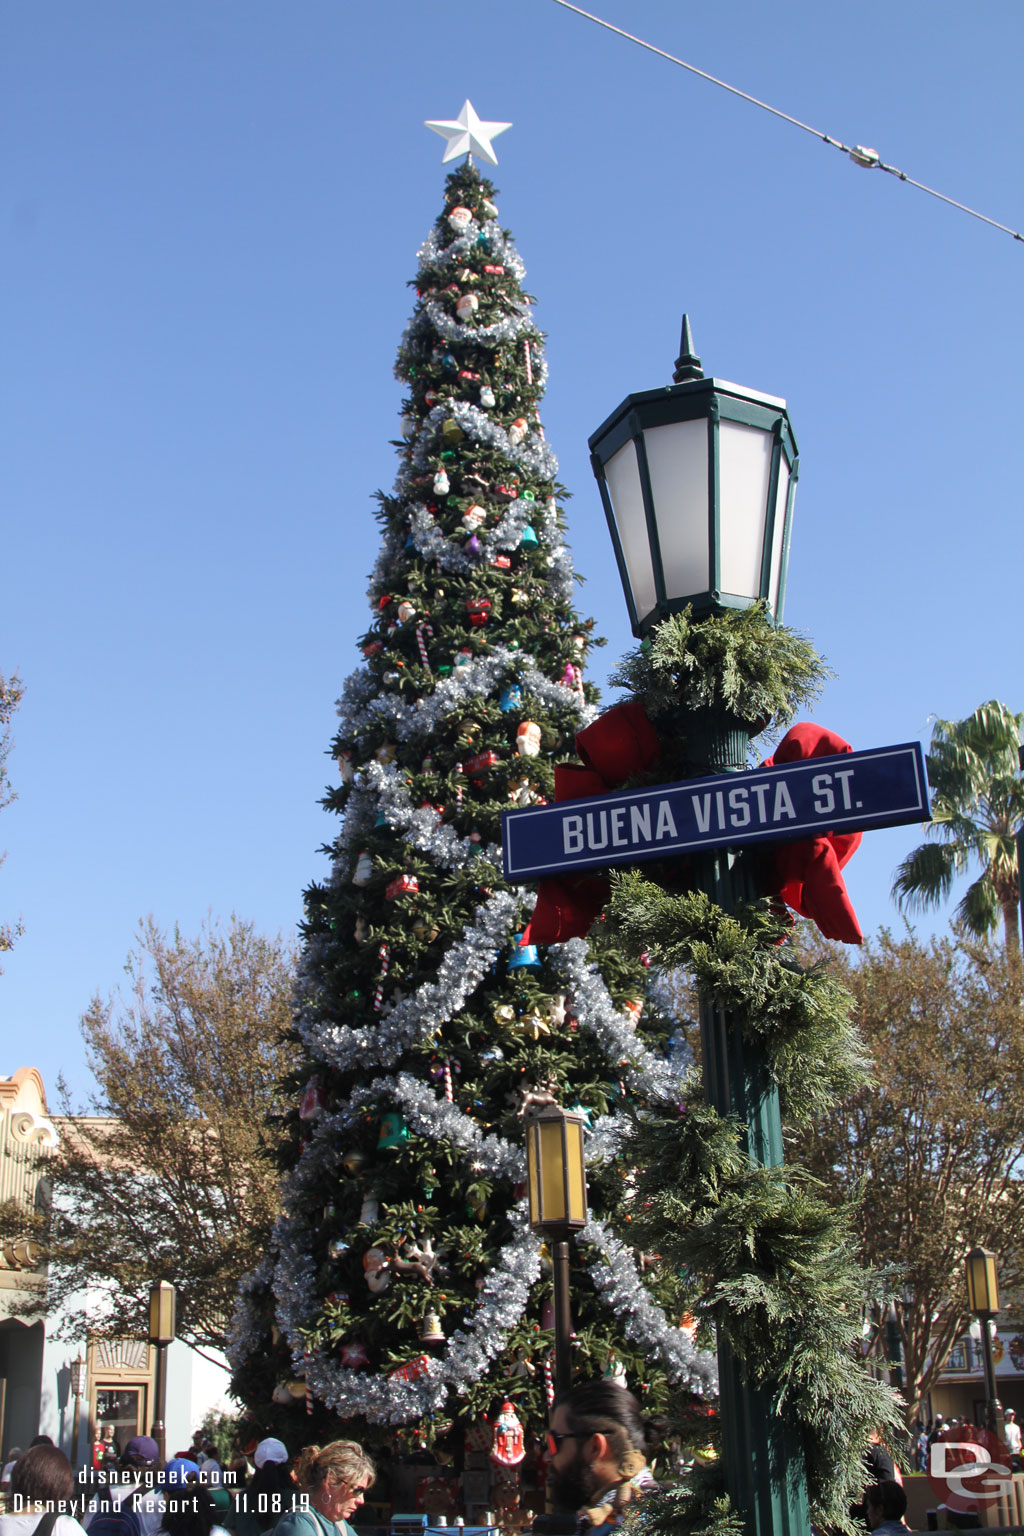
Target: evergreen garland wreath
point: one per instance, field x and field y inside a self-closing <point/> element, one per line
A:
<point x="773" y="1265"/>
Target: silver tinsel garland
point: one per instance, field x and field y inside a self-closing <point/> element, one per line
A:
<point x="615" y="1276"/>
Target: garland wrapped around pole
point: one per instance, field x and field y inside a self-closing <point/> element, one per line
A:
<point x="772" y="1264"/>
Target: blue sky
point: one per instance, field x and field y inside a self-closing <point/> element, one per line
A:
<point x="209" y="215"/>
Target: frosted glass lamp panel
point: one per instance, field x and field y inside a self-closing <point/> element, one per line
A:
<point x="622" y="476"/>
<point x="677" y="457"/>
<point x="779" y="530"/>
<point x="745" y="459"/>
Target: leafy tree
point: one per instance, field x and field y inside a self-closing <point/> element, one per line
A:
<point x="936" y="1139"/>
<point x="11" y="691"/>
<point x="170" y="1174"/>
<point x="977" y="809"/>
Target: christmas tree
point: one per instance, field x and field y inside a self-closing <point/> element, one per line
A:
<point x="406" y="1286"/>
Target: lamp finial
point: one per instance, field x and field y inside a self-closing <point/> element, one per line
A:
<point x="687" y="363"/>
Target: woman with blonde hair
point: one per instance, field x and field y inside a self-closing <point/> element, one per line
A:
<point x="332" y="1481"/>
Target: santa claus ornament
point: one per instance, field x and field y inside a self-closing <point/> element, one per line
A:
<point x="508" y="1445"/>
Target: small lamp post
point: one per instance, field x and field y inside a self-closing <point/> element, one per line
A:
<point x="162" y="1303"/>
<point x="557" y="1190"/>
<point x="79" y="1381"/>
<point x="983" y="1294"/>
<point x="697" y="481"/>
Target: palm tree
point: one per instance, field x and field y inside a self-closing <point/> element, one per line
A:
<point x="977" y="810"/>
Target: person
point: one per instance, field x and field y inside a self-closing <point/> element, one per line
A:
<point x="135" y="1502"/>
<point x="189" y="1509"/>
<point x="210" y="1468"/>
<point x="334" y="1478"/>
<point x="1012" y="1438"/>
<point x="885" y="1504"/>
<point x="268" y="1495"/>
<point x="5" y="1475"/>
<point x="42" y="1480"/>
<point x="597" y="1445"/>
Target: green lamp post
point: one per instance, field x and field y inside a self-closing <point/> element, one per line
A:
<point x="697" y="481"/>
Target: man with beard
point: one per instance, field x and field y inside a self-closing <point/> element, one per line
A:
<point x="598" y="1454"/>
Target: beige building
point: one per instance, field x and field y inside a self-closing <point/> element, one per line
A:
<point x="36" y="1377"/>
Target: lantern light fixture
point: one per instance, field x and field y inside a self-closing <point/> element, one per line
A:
<point x="982" y="1282"/>
<point x="697" y="481"/>
<point x="162" y="1299"/>
<point x="555" y="1172"/>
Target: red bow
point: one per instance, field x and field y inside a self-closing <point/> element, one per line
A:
<point x="806" y="873"/>
<point x="621" y="742"/>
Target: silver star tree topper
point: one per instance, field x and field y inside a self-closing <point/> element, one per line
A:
<point x="467" y="135"/>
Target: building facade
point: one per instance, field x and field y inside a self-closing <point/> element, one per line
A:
<point x="117" y="1388"/>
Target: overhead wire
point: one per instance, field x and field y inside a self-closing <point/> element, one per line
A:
<point x="869" y="158"/>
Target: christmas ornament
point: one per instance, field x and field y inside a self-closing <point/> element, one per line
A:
<point x="281" y="1395"/>
<point x="519" y="597"/>
<point x="393" y="1130"/>
<point x="481" y="761"/>
<point x="505" y="492"/>
<point x="508" y="1444"/>
<point x="422" y="630"/>
<point x="463" y="659"/>
<point x="473" y="517"/>
<point x="345" y="766"/>
<point x="487" y="208"/>
<point x="494" y="271"/>
<point x="442" y="485"/>
<point x="518" y="430"/>
<point x="387" y="753"/>
<point x="383" y="955"/>
<point x="502" y="563"/>
<point x="528" y="739"/>
<point x="313" y="1100"/>
<point x="528" y="539"/>
<point x="426" y="932"/>
<point x="337" y="1248"/>
<point x="467" y="307"/>
<point x="402" y="885"/>
<point x="407" y="426"/>
<point x="412" y="1371"/>
<point x="363" y="872"/>
<point x="354" y="1160"/>
<point x="354" y="1356"/>
<point x="369" y="1211"/>
<point x="431" y="1331"/>
<point x="473" y="545"/>
<point x="451" y="431"/>
<point x="524" y="957"/>
<point x="376" y="1270"/>
<point x="406" y="611"/>
<point x="510" y="697"/>
<point x="467" y="134"/>
<point x="479" y="609"/>
<point x="460" y="219"/>
<point x="487" y="397"/>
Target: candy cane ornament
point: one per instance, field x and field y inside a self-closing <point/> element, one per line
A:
<point x="449" y="1092"/>
<point x="421" y="630"/>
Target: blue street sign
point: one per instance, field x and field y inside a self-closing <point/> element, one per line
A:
<point x="851" y="792"/>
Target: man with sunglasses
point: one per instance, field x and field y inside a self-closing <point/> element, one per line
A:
<point x="598" y="1454"/>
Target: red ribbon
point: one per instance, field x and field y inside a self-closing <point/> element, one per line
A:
<point x="621" y="742"/>
<point x="806" y="873"/>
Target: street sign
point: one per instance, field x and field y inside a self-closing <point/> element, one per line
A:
<point x="849" y="792"/>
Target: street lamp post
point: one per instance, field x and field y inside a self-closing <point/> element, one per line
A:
<point x="78" y="1385"/>
<point x="697" y="481"/>
<point x="557" y="1192"/>
<point x="983" y="1293"/>
<point x="162" y="1302"/>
